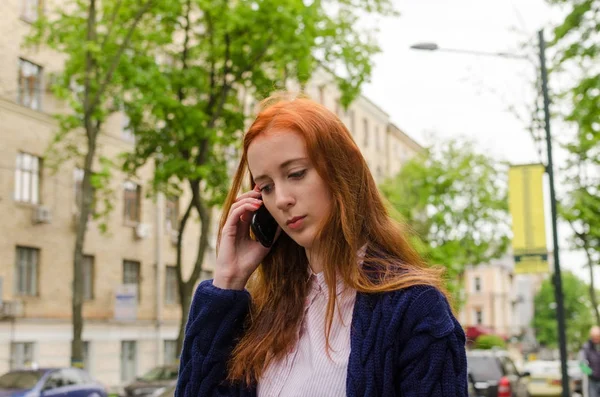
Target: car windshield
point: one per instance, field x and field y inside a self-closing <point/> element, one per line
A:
<point x="20" y="379"/>
<point x="484" y="368"/>
<point x="160" y="373"/>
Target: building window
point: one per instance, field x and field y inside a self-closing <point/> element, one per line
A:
<point x="477" y="284"/>
<point x="126" y="131"/>
<point x="27" y="271"/>
<point x="172" y="213"/>
<point x="478" y="317"/>
<point x="30" y="85"/>
<point x="27" y="178"/>
<point x="131" y="200"/>
<point x="128" y="360"/>
<point x="365" y="132"/>
<point x="88" y="277"/>
<point x="131" y="274"/>
<point x="171" y="285"/>
<point x="21" y="354"/>
<point x="32" y="9"/>
<point x="377" y="143"/>
<point x="170" y="352"/>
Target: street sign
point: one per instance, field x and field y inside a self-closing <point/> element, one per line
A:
<point x="126" y="302"/>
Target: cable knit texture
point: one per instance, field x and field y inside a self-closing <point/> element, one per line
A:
<point x="404" y="343"/>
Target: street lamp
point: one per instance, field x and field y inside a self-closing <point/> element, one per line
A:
<point x="427" y="46"/>
<point x="557" y="279"/>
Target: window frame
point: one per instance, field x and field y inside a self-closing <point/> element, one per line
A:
<point x="477" y="284"/>
<point x="32" y="289"/>
<point x="138" y="283"/>
<point x="172" y="213"/>
<point x="28" y="179"/>
<point x="26" y="344"/>
<point x="34" y="101"/>
<point x="92" y="277"/>
<point x="131" y="195"/>
<point x="171" y="295"/>
<point x="26" y="8"/>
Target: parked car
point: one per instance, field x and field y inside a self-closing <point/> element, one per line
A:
<point x="50" y="382"/>
<point x="546" y="377"/>
<point x="495" y="374"/>
<point x="168" y="391"/>
<point x="154" y="380"/>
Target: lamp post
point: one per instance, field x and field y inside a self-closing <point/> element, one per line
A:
<point x="557" y="279"/>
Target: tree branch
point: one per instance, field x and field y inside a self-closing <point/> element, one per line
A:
<point x="115" y="61"/>
<point x="184" y="54"/>
<point x="113" y="17"/>
<point x="89" y="67"/>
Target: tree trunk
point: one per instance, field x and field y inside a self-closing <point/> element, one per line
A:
<point x="85" y="204"/>
<point x="186" y="288"/>
<point x="185" y="296"/>
<point x="77" y="298"/>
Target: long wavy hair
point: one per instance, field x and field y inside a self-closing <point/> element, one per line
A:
<point x="358" y="216"/>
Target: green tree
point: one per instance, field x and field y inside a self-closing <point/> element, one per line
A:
<point x="455" y="201"/>
<point x="187" y="90"/>
<point x="92" y="36"/>
<point x="578" y="312"/>
<point x="577" y="45"/>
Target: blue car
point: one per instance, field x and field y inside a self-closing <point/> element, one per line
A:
<point x="50" y="382"/>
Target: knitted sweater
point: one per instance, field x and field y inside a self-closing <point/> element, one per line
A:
<point x="403" y="343"/>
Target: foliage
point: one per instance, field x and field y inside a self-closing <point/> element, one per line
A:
<point x="577" y="45"/>
<point x="91" y="36"/>
<point x="188" y="88"/>
<point x="578" y="313"/>
<point x="455" y="201"/>
<point x="487" y="342"/>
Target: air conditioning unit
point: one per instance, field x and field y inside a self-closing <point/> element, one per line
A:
<point x="11" y="309"/>
<point x="142" y="230"/>
<point x="174" y="234"/>
<point x="42" y="214"/>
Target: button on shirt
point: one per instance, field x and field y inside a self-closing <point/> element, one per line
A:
<point x="307" y="370"/>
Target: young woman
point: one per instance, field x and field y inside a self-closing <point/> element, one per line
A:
<point x="341" y="304"/>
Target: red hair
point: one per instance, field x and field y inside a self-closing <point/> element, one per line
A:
<point x="358" y="215"/>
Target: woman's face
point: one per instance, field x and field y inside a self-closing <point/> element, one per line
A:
<point x="291" y="187"/>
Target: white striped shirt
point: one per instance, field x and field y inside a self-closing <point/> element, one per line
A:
<point x="307" y="370"/>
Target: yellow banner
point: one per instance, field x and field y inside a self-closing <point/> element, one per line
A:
<point x="526" y="204"/>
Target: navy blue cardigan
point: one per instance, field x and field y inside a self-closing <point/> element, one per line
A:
<point x="403" y="343"/>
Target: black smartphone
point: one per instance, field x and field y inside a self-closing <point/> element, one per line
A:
<point x="264" y="226"/>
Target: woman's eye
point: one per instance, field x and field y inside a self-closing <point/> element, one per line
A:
<point x="265" y="189"/>
<point x="297" y="175"/>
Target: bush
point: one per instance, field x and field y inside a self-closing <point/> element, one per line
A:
<point x="489" y="342"/>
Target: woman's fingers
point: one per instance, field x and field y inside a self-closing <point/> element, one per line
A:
<point x="240" y="208"/>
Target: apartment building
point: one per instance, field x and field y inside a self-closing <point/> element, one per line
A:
<point x="489" y="298"/>
<point x="131" y="311"/>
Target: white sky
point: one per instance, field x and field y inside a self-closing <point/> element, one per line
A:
<point x="465" y="95"/>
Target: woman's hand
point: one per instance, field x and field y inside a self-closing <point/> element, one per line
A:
<point x="239" y="255"/>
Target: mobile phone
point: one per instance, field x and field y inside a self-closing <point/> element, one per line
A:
<point x="264" y="226"/>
